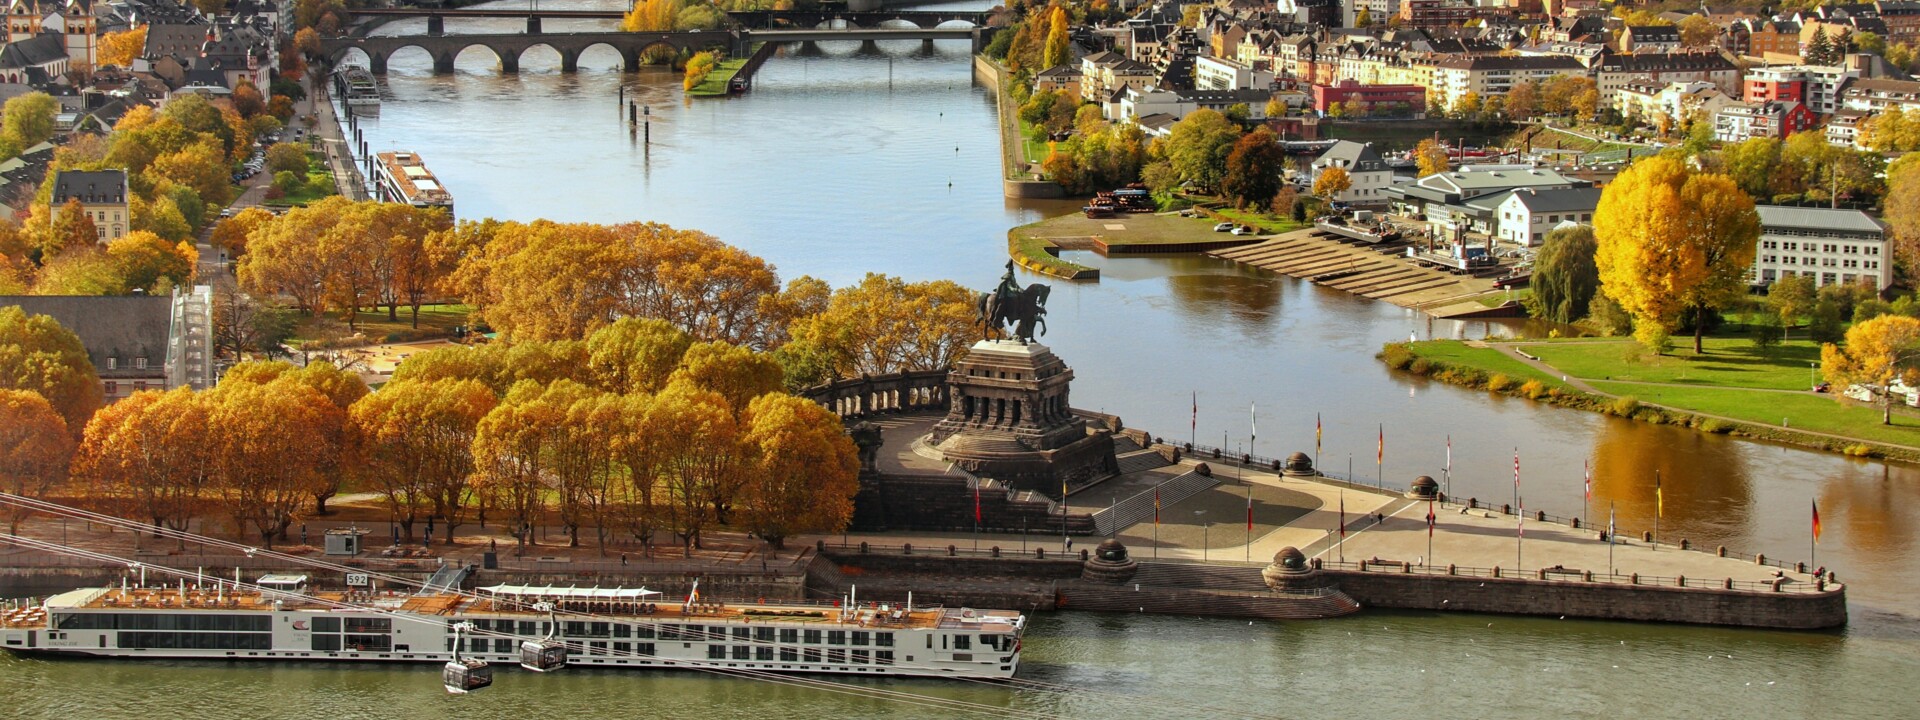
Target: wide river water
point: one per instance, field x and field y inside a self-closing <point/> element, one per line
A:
<point x="846" y="160"/>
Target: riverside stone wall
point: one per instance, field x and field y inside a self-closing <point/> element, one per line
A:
<point x="1515" y="596"/>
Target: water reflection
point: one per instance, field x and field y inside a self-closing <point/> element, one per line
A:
<point x="1703" y="479"/>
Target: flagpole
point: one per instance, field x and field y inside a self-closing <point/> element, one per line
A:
<point x="1659" y="508"/>
<point x="1609" y="541"/>
<point x="1520" y="541"/>
<point x="1316" y="443"/>
<point x="1448" y="475"/>
<point x="1813" y="540"/>
<point x="1380" y="461"/>
<point x="1249" y="553"/>
<point x="1586" y="499"/>
<point x="1430" y="520"/>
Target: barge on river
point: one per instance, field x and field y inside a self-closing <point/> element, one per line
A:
<point x="601" y="627"/>
<point x="358" y="89"/>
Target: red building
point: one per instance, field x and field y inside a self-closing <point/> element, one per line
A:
<point x="1414" y="97"/>
<point x="1775" y="85"/>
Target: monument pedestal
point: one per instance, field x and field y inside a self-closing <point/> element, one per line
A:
<point x="1009" y="419"/>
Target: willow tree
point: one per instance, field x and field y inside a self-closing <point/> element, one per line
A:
<point x="1564" y="275"/>
<point x="35" y="449"/>
<point x="1671" y="243"/>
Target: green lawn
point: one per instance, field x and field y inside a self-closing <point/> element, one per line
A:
<point x="715" y="83"/>
<point x="316" y="170"/>
<point x="1803" y="411"/>
<point x="1460" y="354"/>
<point x="1035" y="150"/>
<point x="1729" y="362"/>
<point x="434" y="320"/>
<point x="1498" y="299"/>
<point x="1268" y="223"/>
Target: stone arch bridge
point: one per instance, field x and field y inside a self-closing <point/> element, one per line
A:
<point x="631" y="46"/>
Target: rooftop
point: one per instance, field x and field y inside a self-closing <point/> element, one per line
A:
<point x="1778" y="216"/>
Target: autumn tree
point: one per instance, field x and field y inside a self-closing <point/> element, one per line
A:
<point x="27" y="120"/>
<point x="1564" y="275"/>
<point x="339" y="388"/>
<point x="416" y="440"/>
<point x="739" y="375"/>
<point x="72" y="230"/>
<point x="1790" y="297"/>
<point x="1877" y="353"/>
<point x="287" y="156"/>
<point x="695" y="432"/>
<point x="40" y="356"/>
<point x="1332" y="182"/>
<point x="231" y="233"/>
<point x="1673" y="242"/>
<point x="1752" y="164"/>
<point x="143" y="260"/>
<point x="1057" y="48"/>
<point x="1902" y="212"/>
<point x="1523" y="101"/>
<point x="515" y="450"/>
<point x="150" y="456"/>
<point x="1253" y="168"/>
<point x="802" y="469"/>
<point x="121" y="48"/>
<point x="1431" y="157"/>
<point x="1198" y="147"/>
<point x="271" y="443"/>
<point x="882" y="325"/>
<point x="1696" y="31"/>
<point x="243" y="324"/>
<point x="35" y="449"/>
<point x="247" y="100"/>
<point x="636" y="354"/>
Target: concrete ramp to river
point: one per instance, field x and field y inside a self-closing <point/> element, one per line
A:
<point x="1378" y="272"/>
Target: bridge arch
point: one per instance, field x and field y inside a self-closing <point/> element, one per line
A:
<point x="539" y="53"/>
<point x="380" y="58"/>
<point x="507" y="60"/>
<point x="626" y="61"/>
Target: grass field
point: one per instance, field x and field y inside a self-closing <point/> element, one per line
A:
<point x="1801" y="411"/>
<point x="715" y="83"/>
<point x="1456" y="353"/>
<point x="435" y="321"/>
<point x="1268" y="223"/>
<point x="1034" y="150"/>
<point x="317" y="173"/>
<point x="1729" y="362"/>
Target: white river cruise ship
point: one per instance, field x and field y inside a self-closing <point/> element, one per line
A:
<point x="279" y="618"/>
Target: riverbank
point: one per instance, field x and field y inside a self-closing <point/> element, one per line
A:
<point x="1527" y="369"/>
<point x="1017" y="180"/>
<point x="1037" y="246"/>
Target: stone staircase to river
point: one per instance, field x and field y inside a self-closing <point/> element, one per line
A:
<point x="1181" y="589"/>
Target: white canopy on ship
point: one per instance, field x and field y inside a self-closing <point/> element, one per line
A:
<point x="549" y="592"/>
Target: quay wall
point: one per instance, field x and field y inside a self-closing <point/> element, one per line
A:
<point x="1644" y="603"/>
<point x="990" y="73"/>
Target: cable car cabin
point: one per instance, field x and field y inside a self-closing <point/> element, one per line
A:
<point x="543" y="655"/>
<point x="463" y="676"/>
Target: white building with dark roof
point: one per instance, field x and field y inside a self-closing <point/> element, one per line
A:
<point x="1828" y="245"/>
<point x="102" y="195"/>
<point x="1524" y="217"/>
<point x="1365" y="169"/>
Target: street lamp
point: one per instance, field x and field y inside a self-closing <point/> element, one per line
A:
<point x="1812" y="379"/>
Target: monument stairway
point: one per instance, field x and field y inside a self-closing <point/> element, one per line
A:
<point x="1139" y="507"/>
<point x="1140" y="461"/>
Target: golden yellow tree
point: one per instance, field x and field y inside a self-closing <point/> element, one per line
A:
<point x="120" y="48"/>
<point x="738" y="374"/>
<point x="149" y="456"/>
<point x="802" y="469"/>
<point x="1332" y="182"/>
<point x="339" y="387"/>
<point x="513" y="452"/>
<point x="143" y="259"/>
<point x="39" y="355"/>
<point x="694" y="434"/>
<point x="636" y="354"/>
<point x="270" y="445"/>
<point x="1431" y="157"/>
<point x="231" y="234"/>
<point x="35" y="449"/>
<point x="1878" y="352"/>
<point x="638" y="501"/>
<point x="1672" y="241"/>
<point x="416" y="442"/>
<point x="885" y="324"/>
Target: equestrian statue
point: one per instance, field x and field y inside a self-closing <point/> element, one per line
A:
<point x="1013" y="311"/>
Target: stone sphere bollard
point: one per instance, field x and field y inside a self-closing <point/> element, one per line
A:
<point x="1800" y="567"/>
<point x="1723" y="551"/>
<point x="1686" y="544"/>
<point x="996" y="551"/>
<point x="1647" y="536"/>
<point x="906" y="549"/>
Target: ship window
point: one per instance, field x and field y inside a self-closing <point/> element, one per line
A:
<point x="503" y="645"/>
<point x="326" y="624"/>
<point x="813" y="637"/>
<point x="836" y="637"/>
<point x="621" y="630"/>
<point x="597" y="648"/>
<point x="860" y="656"/>
<point x="741" y="652"/>
<point x="763" y="634"/>
<point x="369" y="625"/>
<point x="789" y="635"/>
<point x="716" y="652"/>
<point x="763" y="652"/>
<point x="622" y="648"/>
<point x="788" y="654"/>
<point x="859" y="637"/>
<point x="883" y="657"/>
<point x="884" y="639"/>
<point x="963" y="657"/>
<point x="812" y="655"/>
<point x="643" y="631"/>
<point x="477" y="645"/>
<point x="962" y="642"/>
<point x="742" y="633"/>
<point x="837" y="656"/>
<point x="369" y="643"/>
<point x="643" y="649"/>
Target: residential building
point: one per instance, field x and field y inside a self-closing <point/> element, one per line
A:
<point x="1745" y="121"/>
<point x="1816" y="86"/>
<point x="1106" y="72"/>
<point x="1677" y="100"/>
<point x="1064" y="78"/>
<point x="102" y="195"/>
<point x="1138" y="103"/>
<point x="1211" y="73"/>
<point x="1843" y="128"/>
<point x="1650" y="38"/>
<point x="1440" y="13"/>
<point x="1525" y="216"/>
<point x="1485" y="76"/>
<point x="1830" y="246"/>
<point x="1366" y="170"/>
<point x="1374" y="97"/>
<point x="1872" y="95"/>
<point x="1441" y="198"/>
<point x="137" y="342"/>
<point x="1613" y="71"/>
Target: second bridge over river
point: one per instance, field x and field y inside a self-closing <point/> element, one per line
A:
<point x="631" y="46"/>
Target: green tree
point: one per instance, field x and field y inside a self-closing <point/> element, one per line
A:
<point x="1790" y="297"/>
<point x="1565" y="275"/>
<point x="1752" y="164"/>
<point x="1696" y="31"/>
<point x="1198" y="147"/>
<point x="1820" y="50"/>
<point x="288" y="157"/>
<point x="27" y="120"/>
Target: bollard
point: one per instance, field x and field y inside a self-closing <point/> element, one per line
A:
<point x="1587" y="576"/>
<point x="1636" y="579"/>
<point x="1576" y="523"/>
<point x="1040" y="553"/>
<point x="952" y="551"/>
<point x="1473" y="503"/>
<point x="1647" y="536"/>
<point x="863" y="547"/>
<point x="1729" y="584"/>
<point x="1316" y="563"/>
<point x="1682" y="579"/>
<point x="1363" y="566"/>
<point x="819" y="546"/>
<point x="1800" y="567"/>
<point x="1496" y="571"/>
<point x="1083" y="555"/>
<point x="1406" y="568"/>
<point x="906" y="549"/>
<point x="1542" y="517"/>
<point x="1541" y="573"/>
<point x="1451" y="570"/>
<point x="996" y="551"/>
<point x="1760" y="559"/>
<point x="1723" y="551"/>
<point x="1506" y="509"/>
<point x="1686" y="544"/>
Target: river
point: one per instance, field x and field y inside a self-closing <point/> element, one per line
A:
<point x="843" y="161"/>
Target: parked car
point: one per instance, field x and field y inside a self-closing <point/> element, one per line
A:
<point x="1244" y="230"/>
<point x="1223" y="227"/>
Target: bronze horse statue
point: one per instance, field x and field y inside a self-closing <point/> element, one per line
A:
<point x="1014" y="311"/>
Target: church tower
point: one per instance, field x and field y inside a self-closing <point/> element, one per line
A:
<point x="23" y="20"/>
<point x="82" y="33"/>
